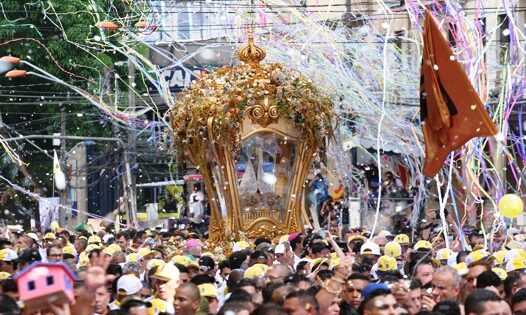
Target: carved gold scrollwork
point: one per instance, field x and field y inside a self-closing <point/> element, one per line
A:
<point x="263" y="114"/>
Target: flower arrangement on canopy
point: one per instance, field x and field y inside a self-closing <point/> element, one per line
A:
<point x="227" y="94"/>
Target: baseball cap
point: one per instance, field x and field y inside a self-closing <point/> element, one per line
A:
<point x="4" y="275"/>
<point x="423" y="245"/>
<point x="373" y="288"/>
<point x="131" y="301"/>
<point x="143" y="252"/>
<point x="67" y="250"/>
<point x="207" y="290"/>
<point x="166" y="272"/>
<point x="241" y="245"/>
<point x="91" y="247"/>
<point x="7" y="254"/>
<point x="402" y="239"/>
<point x="516" y="264"/>
<point x="33" y="236"/>
<point x="462" y="269"/>
<point x="280" y="249"/>
<point x="370" y="248"/>
<point x="131" y="257"/>
<point x="513" y="253"/>
<point x="129" y="284"/>
<point x="393" y="249"/>
<point x="206" y="263"/>
<point x="317" y="262"/>
<point x="49" y="236"/>
<point x="356" y="238"/>
<point x="386" y="263"/>
<point x="256" y="270"/>
<point x="29" y="255"/>
<point x="477" y="256"/>
<point x="385" y="233"/>
<point x="501" y="273"/>
<point x="94" y="239"/>
<point x="513" y="244"/>
<point x="443" y="254"/>
<point x="500" y="256"/>
<point x="106" y="237"/>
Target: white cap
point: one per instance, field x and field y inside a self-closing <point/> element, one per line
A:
<point x="8" y="254"/>
<point x="384" y="233"/>
<point x="106" y="237"/>
<point x="280" y="249"/>
<point x="129" y="284"/>
<point x="512" y="253"/>
<point x="370" y="248"/>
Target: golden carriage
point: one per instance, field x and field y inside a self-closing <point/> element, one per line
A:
<point x="252" y="131"/>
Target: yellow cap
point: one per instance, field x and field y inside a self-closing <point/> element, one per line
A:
<point x="393" y="249"/>
<point x="386" y="263"/>
<point x="158" y="306"/>
<point x="356" y="238"/>
<point x="181" y="260"/>
<point x="67" y="250"/>
<point x="423" y="245"/>
<point x="444" y="254"/>
<point x="131" y="257"/>
<point x="33" y="236"/>
<point x="256" y="270"/>
<point x="207" y="290"/>
<point x="501" y="273"/>
<point x="54" y="226"/>
<point x="49" y="236"/>
<point x="94" y="239"/>
<point x="517" y="263"/>
<point x="166" y="272"/>
<point x="83" y="260"/>
<point x="148" y="233"/>
<point x="83" y="237"/>
<point x="241" y="245"/>
<point x="477" y="256"/>
<point x="499" y="256"/>
<point x="91" y="247"/>
<point x="143" y="252"/>
<point x="402" y="239"/>
<point x="478" y="247"/>
<point x="317" y="262"/>
<point x="462" y="268"/>
<point x="4" y="275"/>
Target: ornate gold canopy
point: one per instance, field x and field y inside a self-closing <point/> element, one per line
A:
<point x="253" y="130"/>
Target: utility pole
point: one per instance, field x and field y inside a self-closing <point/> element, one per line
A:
<point x="132" y="144"/>
<point x="63" y="194"/>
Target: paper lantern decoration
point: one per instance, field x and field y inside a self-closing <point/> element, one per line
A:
<point x="510" y="206"/>
<point x="60" y="180"/>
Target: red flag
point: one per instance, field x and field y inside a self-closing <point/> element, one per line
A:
<point x="451" y="110"/>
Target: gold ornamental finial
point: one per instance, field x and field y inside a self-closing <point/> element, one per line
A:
<point x="251" y="53"/>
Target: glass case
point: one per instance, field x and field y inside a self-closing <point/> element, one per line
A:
<point x="264" y="168"/>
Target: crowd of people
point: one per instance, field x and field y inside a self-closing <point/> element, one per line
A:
<point x="173" y="271"/>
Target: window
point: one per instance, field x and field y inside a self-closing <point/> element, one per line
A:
<point x="31" y="285"/>
<point x="50" y="280"/>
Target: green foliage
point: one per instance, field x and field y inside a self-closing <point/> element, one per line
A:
<point x="56" y="36"/>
